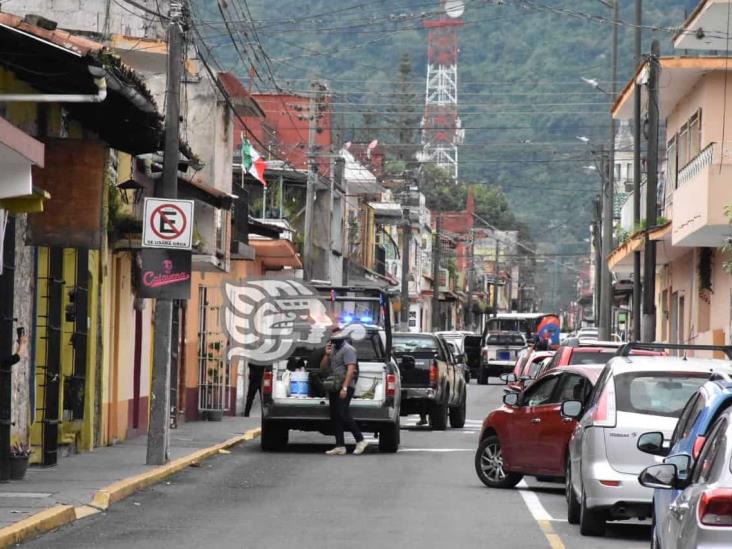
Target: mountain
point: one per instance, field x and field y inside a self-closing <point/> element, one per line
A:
<point x="522" y="99"/>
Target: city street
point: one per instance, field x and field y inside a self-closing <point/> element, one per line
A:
<point x="427" y="495"/>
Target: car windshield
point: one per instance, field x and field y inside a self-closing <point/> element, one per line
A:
<point x="656" y="393"/>
<point x="591" y="357"/>
<point x="505" y="339"/>
<point x="414" y="344"/>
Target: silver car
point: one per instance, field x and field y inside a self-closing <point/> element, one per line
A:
<point x="634" y="394"/>
<point x="701" y="515"/>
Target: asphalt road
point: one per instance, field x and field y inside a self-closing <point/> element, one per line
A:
<point x="427" y="495"/>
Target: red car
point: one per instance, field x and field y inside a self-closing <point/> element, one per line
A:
<point x="528" y="435"/>
<point x="527" y="370"/>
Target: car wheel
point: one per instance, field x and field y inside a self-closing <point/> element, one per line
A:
<point x="457" y="414"/>
<point x="438" y="417"/>
<point x="482" y="377"/>
<point x="489" y="465"/>
<point x="389" y="438"/>
<point x="592" y="522"/>
<point x="573" y="506"/>
<point x="273" y="437"/>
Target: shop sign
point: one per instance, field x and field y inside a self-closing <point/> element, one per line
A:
<point x="163" y="274"/>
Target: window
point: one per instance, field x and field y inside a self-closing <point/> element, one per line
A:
<point x="574" y="387"/>
<point x="369" y="349"/>
<point x="694" y="135"/>
<point x="409" y="345"/>
<point x="591" y="357"/>
<point x="683" y="146"/>
<point x="506" y="339"/>
<point x="541" y="393"/>
<point x="656" y="393"/>
<point x="688" y="418"/>
<point x="712" y="456"/>
<point x="672" y="161"/>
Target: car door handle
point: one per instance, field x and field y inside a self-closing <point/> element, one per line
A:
<point x="536" y="420"/>
<point x="567" y="420"/>
<point x="679" y="508"/>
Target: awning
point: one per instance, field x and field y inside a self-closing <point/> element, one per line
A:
<point x="195" y="189"/>
<point x="620" y="259"/>
<point x="19" y="152"/>
<point x="30" y="203"/>
<point x="387" y="213"/>
<point x="275" y="254"/>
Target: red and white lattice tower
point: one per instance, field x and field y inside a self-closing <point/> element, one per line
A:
<point x="441" y="127"/>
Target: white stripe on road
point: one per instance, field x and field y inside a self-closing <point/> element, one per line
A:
<point x="534" y="504"/>
<point x="436" y="450"/>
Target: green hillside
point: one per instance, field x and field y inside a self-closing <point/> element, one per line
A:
<point x="523" y="102"/>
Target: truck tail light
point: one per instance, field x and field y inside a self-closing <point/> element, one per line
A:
<point x="698" y="445"/>
<point x="391" y="383"/>
<point x="715" y="507"/>
<point x="267" y="383"/>
<point x="604" y="412"/>
<point x="434" y="374"/>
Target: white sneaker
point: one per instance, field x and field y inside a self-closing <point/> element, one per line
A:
<point x="360" y="448"/>
<point x="337" y="451"/>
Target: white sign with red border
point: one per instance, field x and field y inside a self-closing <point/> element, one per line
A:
<point x="167" y="223"/>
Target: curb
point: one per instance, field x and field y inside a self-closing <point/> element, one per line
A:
<point x="61" y="515"/>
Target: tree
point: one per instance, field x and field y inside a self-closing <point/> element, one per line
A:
<point x="402" y="114"/>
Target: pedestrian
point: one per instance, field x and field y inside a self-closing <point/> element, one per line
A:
<point x="341" y="362"/>
<point x="20" y="352"/>
<point x="256" y="372"/>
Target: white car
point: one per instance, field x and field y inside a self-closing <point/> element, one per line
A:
<point x="634" y="394"/>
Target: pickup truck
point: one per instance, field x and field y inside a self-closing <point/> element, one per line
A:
<point x="376" y="402"/>
<point x="431" y="381"/>
<point x="499" y="353"/>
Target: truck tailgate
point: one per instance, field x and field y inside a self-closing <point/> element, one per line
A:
<point x="417" y="375"/>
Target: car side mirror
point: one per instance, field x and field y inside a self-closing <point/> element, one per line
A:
<point x="662" y="475"/>
<point x="407" y="361"/>
<point x="509" y="378"/>
<point x="682" y="462"/>
<point x="571" y="409"/>
<point x="652" y="443"/>
<point x="511" y="399"/>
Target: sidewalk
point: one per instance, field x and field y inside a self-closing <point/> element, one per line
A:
<point x="76" y="479"/>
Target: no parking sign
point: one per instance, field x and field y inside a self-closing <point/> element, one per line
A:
<point x="167" y="223"/>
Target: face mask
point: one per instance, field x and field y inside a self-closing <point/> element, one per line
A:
<point x="338" y="343"/>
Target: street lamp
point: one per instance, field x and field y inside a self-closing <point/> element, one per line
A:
<point x="131" y="191"/>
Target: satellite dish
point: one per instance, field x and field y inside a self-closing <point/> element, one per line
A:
<point x="454" y="8"/>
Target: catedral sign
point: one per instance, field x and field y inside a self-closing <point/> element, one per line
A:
<point x="163" y="274"/>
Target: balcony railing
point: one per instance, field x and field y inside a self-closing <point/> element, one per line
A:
<point x="693" y="168"/>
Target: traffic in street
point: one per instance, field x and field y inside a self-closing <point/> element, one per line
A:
<point x="425" y="495"/>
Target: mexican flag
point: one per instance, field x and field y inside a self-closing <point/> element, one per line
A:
<point x="252" y="162"/>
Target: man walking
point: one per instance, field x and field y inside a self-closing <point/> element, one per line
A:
<point x="256" y="373"/>
<point x="341" y="360"/>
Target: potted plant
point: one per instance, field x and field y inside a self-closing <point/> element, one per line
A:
<point x="19" y="456"/>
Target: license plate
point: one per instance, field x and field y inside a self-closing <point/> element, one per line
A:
<point x="504" y="355"/>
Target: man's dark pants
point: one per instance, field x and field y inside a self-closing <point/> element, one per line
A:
<point x="255" y="386"/>
<point x="341" y="416"/>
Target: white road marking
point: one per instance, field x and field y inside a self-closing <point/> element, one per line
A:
<point x="534" y="504"/>
<point x="33" y="495"/>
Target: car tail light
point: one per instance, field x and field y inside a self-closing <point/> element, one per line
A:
<point x="604" y="412"/>
<point x="391" y="383"/>
<point x="612" y="483"/>
<point x="698" y="445"/>
<point x="715" y="507"/>
<point x="267" y="383"/>
<point x="434" y="374"/>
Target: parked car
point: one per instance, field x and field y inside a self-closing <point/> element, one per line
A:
<point x="634" y="393"/>
<point x="701" y="515"/>
<point x="701" y="411"/>
<point x="455" y="344"/>
<point x="431" y="381"/>
<point x="528" y="370"/>
<point x="499" y="354"/>
<point x="528" y="435"/>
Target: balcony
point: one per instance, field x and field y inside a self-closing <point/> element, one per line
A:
<point x="703" y="191"/>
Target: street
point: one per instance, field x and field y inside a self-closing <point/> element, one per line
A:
<point x="427" y="495"/>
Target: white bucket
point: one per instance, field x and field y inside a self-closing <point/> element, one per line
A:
<point x="299" y="384"/>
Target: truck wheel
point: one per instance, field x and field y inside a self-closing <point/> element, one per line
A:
<point x="389" y="439"/>
<point x="273" y="437"/>
<point x="482" y="376"/>
<point x="438" y="417"/>
<point x="489" y="465"/>
<point x="592" y="522"/>
<point x="457" y="414"/>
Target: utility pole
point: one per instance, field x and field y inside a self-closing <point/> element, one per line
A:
<point x="312" y="182"/>
<point x="597" y="241"/>
<point x="637" y="175"/>
<point x="494" y="303"/>
<point x="469" y="317"/>
<point x="649" y="273"/>
<point x="167" y="187"/>
<point x="436" y="258"/>
<point x="608" y="209"/>
<point x="406" y="237"/>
